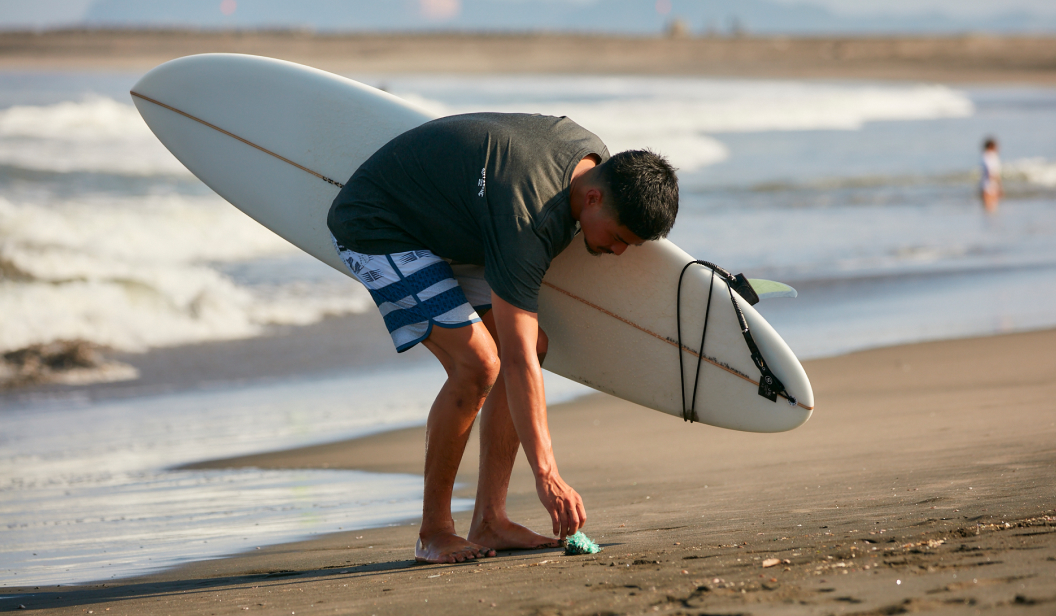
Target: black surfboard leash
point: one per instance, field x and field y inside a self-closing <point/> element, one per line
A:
<point x="770" y="387"/>
<point x="690" y="414"/>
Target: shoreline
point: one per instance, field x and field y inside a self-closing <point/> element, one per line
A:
<point x="969" y="58"/>
<point x="327" y="347"/>
<point x="923" y="482"/>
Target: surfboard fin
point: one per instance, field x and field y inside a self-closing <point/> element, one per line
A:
<point x="768" y="289"/>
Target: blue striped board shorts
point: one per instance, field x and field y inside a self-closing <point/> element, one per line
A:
<point x="416" y="290"/>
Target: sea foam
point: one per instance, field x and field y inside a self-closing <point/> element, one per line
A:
<point x="1036" y="170"/>
<point x="96" y="134"/>
<point x="138" y="272"/>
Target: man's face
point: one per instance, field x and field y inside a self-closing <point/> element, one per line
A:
<point x="603" y="235"/>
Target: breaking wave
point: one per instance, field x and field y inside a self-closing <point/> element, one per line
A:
<point x="1033" y="170"/>
<point x="96" y="134"/>
<point x="132" y="273"/>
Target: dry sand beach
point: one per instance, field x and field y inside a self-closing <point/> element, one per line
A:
<point x="923" y="483"/>
<point x="971" y="58"/>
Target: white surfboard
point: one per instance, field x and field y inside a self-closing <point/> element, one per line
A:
<point x="277" y="140"/>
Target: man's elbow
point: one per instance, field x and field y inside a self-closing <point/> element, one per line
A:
<point x="520" y="354"/>
<point x="517" y="360"/>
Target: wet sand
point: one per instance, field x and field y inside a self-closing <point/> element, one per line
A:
<point x="923" y="483"/>
<point x="968" y="58"/>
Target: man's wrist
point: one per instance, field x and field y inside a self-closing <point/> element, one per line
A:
<point x="544" y="469"/>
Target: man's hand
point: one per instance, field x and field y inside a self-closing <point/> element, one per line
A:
<point x="518" y="332"/>
<point x="563" y="503"/>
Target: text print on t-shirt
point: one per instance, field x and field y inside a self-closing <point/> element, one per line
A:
<point x="482" y="182"/>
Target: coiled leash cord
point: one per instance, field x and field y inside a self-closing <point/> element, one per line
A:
<point x="770" y="387"/>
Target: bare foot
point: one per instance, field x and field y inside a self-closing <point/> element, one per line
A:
<point x="505" y="535"/>
<point x="448" y="548"/>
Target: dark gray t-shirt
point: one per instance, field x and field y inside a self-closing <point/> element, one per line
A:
<point x="484" y="188"/>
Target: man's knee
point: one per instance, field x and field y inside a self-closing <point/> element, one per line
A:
<point x="479" y="366"/>
<point x="487" y="372"/>
<point x="468" y="354"/>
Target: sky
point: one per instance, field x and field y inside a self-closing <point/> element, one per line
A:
<point x="41" y="14"/>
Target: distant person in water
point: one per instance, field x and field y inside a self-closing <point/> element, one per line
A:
<point x="990" y="182"/>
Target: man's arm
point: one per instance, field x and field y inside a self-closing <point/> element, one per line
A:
<point x="518" y="332"/>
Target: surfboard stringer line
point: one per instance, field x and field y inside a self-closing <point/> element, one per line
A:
<point x="236" y="137"/>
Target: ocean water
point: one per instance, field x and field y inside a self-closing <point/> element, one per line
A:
<point x="90" y="489"/>
<point x="861" y="195"/>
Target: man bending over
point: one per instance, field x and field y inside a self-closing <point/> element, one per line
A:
<point x="451" y="227"/>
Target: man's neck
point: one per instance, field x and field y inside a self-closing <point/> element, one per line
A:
<point x="581" y="177"/>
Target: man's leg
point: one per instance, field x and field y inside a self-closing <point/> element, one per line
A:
<point x="470" y="358"/>
<point x="498" y="450"/>
<point x="990" y="199"/>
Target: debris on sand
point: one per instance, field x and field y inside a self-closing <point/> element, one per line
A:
<point x="580" y="544"/>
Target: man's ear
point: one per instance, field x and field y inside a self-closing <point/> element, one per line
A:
<point x="594" y="197"/>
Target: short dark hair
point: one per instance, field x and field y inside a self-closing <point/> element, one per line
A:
<point x="642" y="192"/>
<point x="990" y="143"/>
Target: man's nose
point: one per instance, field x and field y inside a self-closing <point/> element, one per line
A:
<point x="618" y="248"/>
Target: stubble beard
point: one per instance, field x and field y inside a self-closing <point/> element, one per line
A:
<point x="593" y="253"/>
